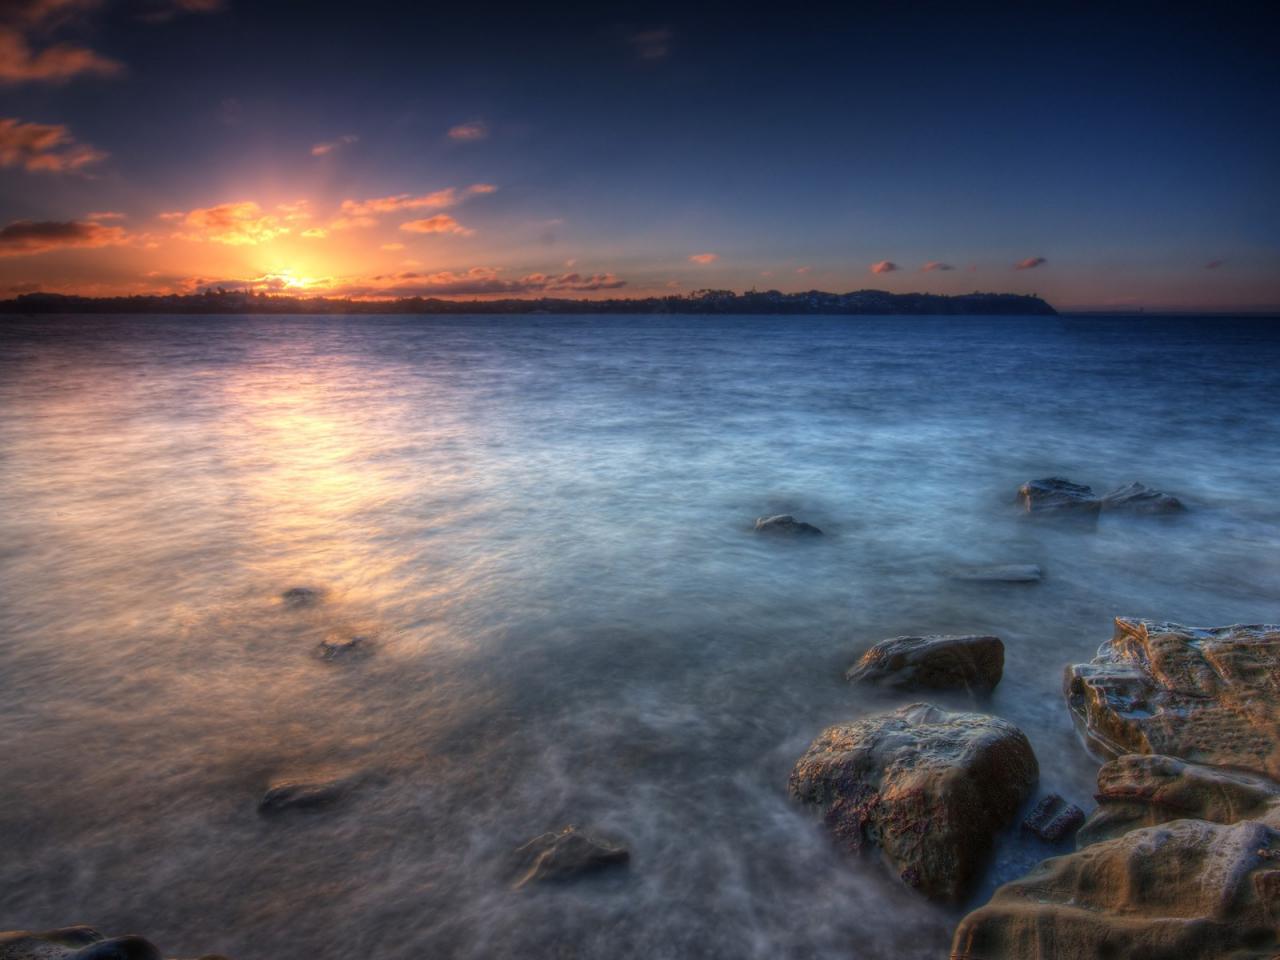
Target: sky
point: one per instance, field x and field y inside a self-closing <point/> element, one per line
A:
<point x="1114" y="156"/>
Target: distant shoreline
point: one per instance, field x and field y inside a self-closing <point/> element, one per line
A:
<point x="705" y="302"/>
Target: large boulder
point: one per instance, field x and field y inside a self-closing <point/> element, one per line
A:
<point x="928" y="787"/>
<point x="787" y="526"/>
<point x="1139" y="498"/>
<point x="1142" y="790"/>
<point x="78" y="943"/>
<point x="1186" y="889"/>
<point x="567" y="855"/>
<point x="935" y="662"/>
<point x="1055" y="495"/>
<point x="1211" y="696"/>
<point x="303" y="794"/>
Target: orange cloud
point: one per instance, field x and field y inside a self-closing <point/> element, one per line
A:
<point x="439" y="200"/>
<point x="884" y="266"/>
<point x="936" y="265"/>
<point x="704" y="258"/>
<point x="43" y="147"/>
<point x="104" y="215"/>
<point x="393" y="246"/>
<point x="25" y="237"/>
<point x="472" y="130"/>
<point x="323" y="149"/>
<point x="19" y="63"/>
<point x="236" y="224"/>
<point x="440" y="223"/>
<point x="1030" y="263"/>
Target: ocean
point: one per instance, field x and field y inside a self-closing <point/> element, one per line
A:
<point x="541" y="527"/>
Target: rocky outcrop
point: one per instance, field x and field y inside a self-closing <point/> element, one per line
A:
<point x="1053" y="819"/>
<point x="1054" y="495"/>
<point x="567" y="855"/>
<point x="787" y="526"/>
<point x="1210" y="696"/>
<point x="927" y="787"/>
<point x="973" y="663"/>
<point x="344" y="646"/>
<point x="1139" y="790"/>
<point x="300" y="598"/>
<point x="1139" y="498"/>
<point x="1181" y="890"/>
<point x="1000" y="573"/>
<point x="298" y="795"/>
<point x="78" y="943"/>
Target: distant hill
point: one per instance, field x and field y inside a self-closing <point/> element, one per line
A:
<point x="701" y="302"/>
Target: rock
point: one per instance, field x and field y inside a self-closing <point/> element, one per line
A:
<point x="928" y="787"/>
<point x="288" y="795"/>
<point x="1138" y="498"/>
<point x="566" y="855"/>
<point x="933" y="662"/>
<point x="1000" y="573"/>
<point x="1053" y="819"/>
<point x="299" y="598"/>
<point x="1187" y="889"/>
<point x="1210" y="696"/>
<point x="74" y="943"/>
<point x="785" y="524"/>
<point x="1142" y="790"/>
<point x="1056" y="495"/>
<point x="342" y="646"/>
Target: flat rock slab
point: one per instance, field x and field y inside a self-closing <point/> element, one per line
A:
<point x="74" y="943"/>
<point x="935" y="662"/>
<point x="1142" y="790"/>
<point x="567" y="855"/>
<point x="1054" y="495"/>
<point x="1187" y="889"/>
<point x="785" y="525"/>
<point x="1000" y="573"/>
<point x="927" y="787"/>
<point x="1053" y="819"/>
<point x="305" y="795"/>
<point x="1139" y="498"/>
<point x="1211" y="696"/>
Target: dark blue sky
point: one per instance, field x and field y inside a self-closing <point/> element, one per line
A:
<point x="1130" y="147"/>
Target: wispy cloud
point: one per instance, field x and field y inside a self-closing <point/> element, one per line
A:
<point x="440" y="223"/>
<point x="884" y="266"/>
<point x="20" y="63"/>
<point x="703" y="258"/>
<point x="804" y="270"/>
<point x="25" y="237"/>
<point x="162" y="11"/>
<point x="651" y="44"/>
<point x="1214" y="264"/>
<point x="936" y="265"/>
<point x="104" y="215"/>
<point x="243" y="223"/>
<point x="323" y="149"/>
<point x="469" y="131"/>
<point x="1030" y="263"/>
<point x="439" y="200"/>
<point x="392" y="247"/>
<point x="43" y="147"/>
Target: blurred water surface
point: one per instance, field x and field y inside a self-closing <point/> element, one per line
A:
<point x="544" y="525"/>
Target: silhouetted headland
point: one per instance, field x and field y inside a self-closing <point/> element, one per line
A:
<point x="773" y="302"/>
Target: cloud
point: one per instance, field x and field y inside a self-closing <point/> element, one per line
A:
<point x="478" y="281"/>
<point x="1214" y="264"/>
<point x="25" y="237"/>
<point x="469" y="131"/>
<point x="651" y="44"/>
<point x="1030" y="263"/>
<point x="439" y="200"/>
<point x="440" y="223"/>
<point x="104" y="215"/>
<point x="243" y="223"/>
<point x="43" y="147"/>
<point x="165" y="10"/>
<point x="393" y="246"/>
<point x="884" y="266"/>
<point x="804" y="270"/>
<point x="19" y="63"/>
<point x="323" y="149"/>
<point x="936" y="265"/>
<point x="703" y="258"/>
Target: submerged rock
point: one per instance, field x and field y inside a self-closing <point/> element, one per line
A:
<point x="287" y="795"/>
<point x="74" y="943"/>
<point x="1138" y="498"/>
<point x="1000" y="573"/>
<point x="1056" y="495"/>
<point x="934" y="662"/>
<point x="1182" y="890"/>
<point x="1142" y="790"/>
<point x="1053" y="819"/>
<point x="299" y="598"/>
<point x="928" y="787"/>
<point x="565" y="856"/>
<point x="786" y="525"/>
<point x="344" y="646"/>
<point x="1206" y="695"/>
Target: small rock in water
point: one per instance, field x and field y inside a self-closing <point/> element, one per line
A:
<point x="295" y="794"/>
<point x="344" y="647"/>
<point x="74" y="943"/>
<point x="1139" y="498"/>
<point x="565" y="856"/>
<point x="298" y="598"/>
<point x="785" y="524"/>
<point x="1054" y="819"/>
<point x="1056" y="495"/>
<point x="1000" y="573"/>
<point x="933" y="663"/>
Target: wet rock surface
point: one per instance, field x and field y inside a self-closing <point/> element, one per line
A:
<point x="935" y="662"/>
<point x="999" y="573"/>
<point x="786" y="525"/>
<point x="1139" y="498"/>
<point x="1184" y="889"/>
<point x="567" y="855"/>
<point x="344" y="646"/>
<point x="78" y="943"/>
<point x="1053" y="819"/>
<point x="927" y="787"/>
<point x="302" y="598"/>
<point x="1054" y="495"/>
<point x="1207" y="695"/>
<point x="288" y="795"/>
